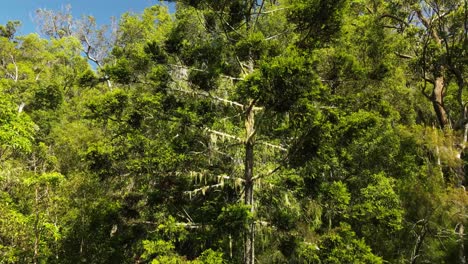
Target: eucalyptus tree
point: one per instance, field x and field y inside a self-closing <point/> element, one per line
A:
<point x="436" y="36"/>
<point x="96" y="41"/>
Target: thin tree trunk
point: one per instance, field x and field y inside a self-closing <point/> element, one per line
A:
<point x="36" y="213"/>
<point x="419" y="242"/>
<point x="461" y="227"/>
<point x="36" y="226"/>
<point x="16" y="68"/>
<point x="461" y="234"/>
<point x="249" y="251"/>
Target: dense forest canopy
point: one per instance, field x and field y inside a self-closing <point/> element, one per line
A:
<point x="237" y="131"/>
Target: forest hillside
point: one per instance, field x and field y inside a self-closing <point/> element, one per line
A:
<point x="237" y="131"/>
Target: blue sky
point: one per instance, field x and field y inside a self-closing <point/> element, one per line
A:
<point x="102" y="10"/>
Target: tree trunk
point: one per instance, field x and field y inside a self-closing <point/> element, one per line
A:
<point x="36" y="226"/>
<point x="461" y="234"/>
<point x="438" y="101"/>
<point x="249" y="243"/>
<point x="419" y="242"/>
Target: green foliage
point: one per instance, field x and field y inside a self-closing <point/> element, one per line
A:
<point x="320" y="20"/>
<point x="87" y="79"/>
<point x="16" y="129"/>
<point x="342" y="245"/>
<point x="121" y="71"/>
<point x="47" y="98"/>
<point x="163" y="252"/>
<point x="381" y="206"/>
<point x="159" y="247"/>
<point x="155" y="52"/>
<point x="108" y="106"/>
<point x="335" y="198"/>
<point x="234" y="219"/>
